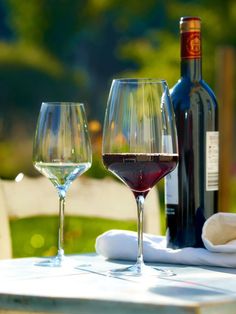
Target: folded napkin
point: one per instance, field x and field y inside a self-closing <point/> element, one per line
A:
<point x="219" y="237"/>
<point x="219" y="233"/>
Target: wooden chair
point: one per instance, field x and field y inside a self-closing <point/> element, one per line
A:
<point x="5" y="236"/>
<point x="105" y="198"/>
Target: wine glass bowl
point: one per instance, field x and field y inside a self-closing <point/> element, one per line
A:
<point x="61" y="152"/>
<point x="139" y="142"/>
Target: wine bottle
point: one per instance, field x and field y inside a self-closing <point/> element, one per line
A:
<point x="192" y="189"/>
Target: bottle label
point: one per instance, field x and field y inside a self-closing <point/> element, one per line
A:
<point x="191" y="45"/>
<point x="212" y="160"/>
<point x="171" y="187"/>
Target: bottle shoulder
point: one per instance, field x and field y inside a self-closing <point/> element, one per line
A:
<point x="186" y="91"/>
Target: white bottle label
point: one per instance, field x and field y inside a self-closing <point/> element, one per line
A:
<point x="212" y="160"/>
<point x="171" y="187"/>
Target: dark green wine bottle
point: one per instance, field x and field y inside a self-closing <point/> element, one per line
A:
<point x="192" y="189"/>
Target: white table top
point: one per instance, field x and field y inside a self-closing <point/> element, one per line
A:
<point x="29" y="288"/>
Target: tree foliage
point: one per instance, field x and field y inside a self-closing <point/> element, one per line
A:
<point x="71" y="49"/>
<point x="95" y="40"/>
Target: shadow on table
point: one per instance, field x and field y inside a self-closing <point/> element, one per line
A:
<point x="190" y="293"/>
<point x="199" y="285"/>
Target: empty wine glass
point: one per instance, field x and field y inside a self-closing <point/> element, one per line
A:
<point x="139" y="144"/>
<point x="61" y="152"/>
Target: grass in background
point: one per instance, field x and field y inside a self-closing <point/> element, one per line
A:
<point x="37" y="236"/>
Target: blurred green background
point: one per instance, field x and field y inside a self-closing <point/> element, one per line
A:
<point x="52" y="50"/>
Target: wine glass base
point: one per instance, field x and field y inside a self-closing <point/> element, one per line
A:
<point x="140" y="270"/>
<point x="64" y="262"/>
<point x="51" y="262"/>
<point x="57" y="261"/>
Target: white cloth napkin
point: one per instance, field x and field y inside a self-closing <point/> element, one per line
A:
<point x="219" y="237"/>
<point x="219" y="233"/>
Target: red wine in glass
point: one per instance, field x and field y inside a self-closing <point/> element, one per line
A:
<point x="140" y="172"/>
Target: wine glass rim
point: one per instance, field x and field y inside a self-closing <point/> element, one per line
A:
<point x="63" y="103"/>
<point x="140" y="80"/>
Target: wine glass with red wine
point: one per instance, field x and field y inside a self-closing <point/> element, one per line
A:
<point x="139" y="144"/>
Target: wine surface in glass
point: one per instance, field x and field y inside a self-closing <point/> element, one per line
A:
<point x="61" y="173"/>
<point x="140" y="171"/>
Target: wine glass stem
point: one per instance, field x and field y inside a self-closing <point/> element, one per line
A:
<point x="60" y="253"/>
<point x="140" y="208"/>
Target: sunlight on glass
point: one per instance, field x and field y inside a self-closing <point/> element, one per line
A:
<point x="19" y="177"/>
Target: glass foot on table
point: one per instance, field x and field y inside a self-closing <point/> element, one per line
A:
<point x="60" y="262"/>
<point x="50" y="262"/>
<point x="139" y="270"/>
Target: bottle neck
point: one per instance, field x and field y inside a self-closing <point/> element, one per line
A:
<point x="191" y="69"/>
<point x="191" y="53"/>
